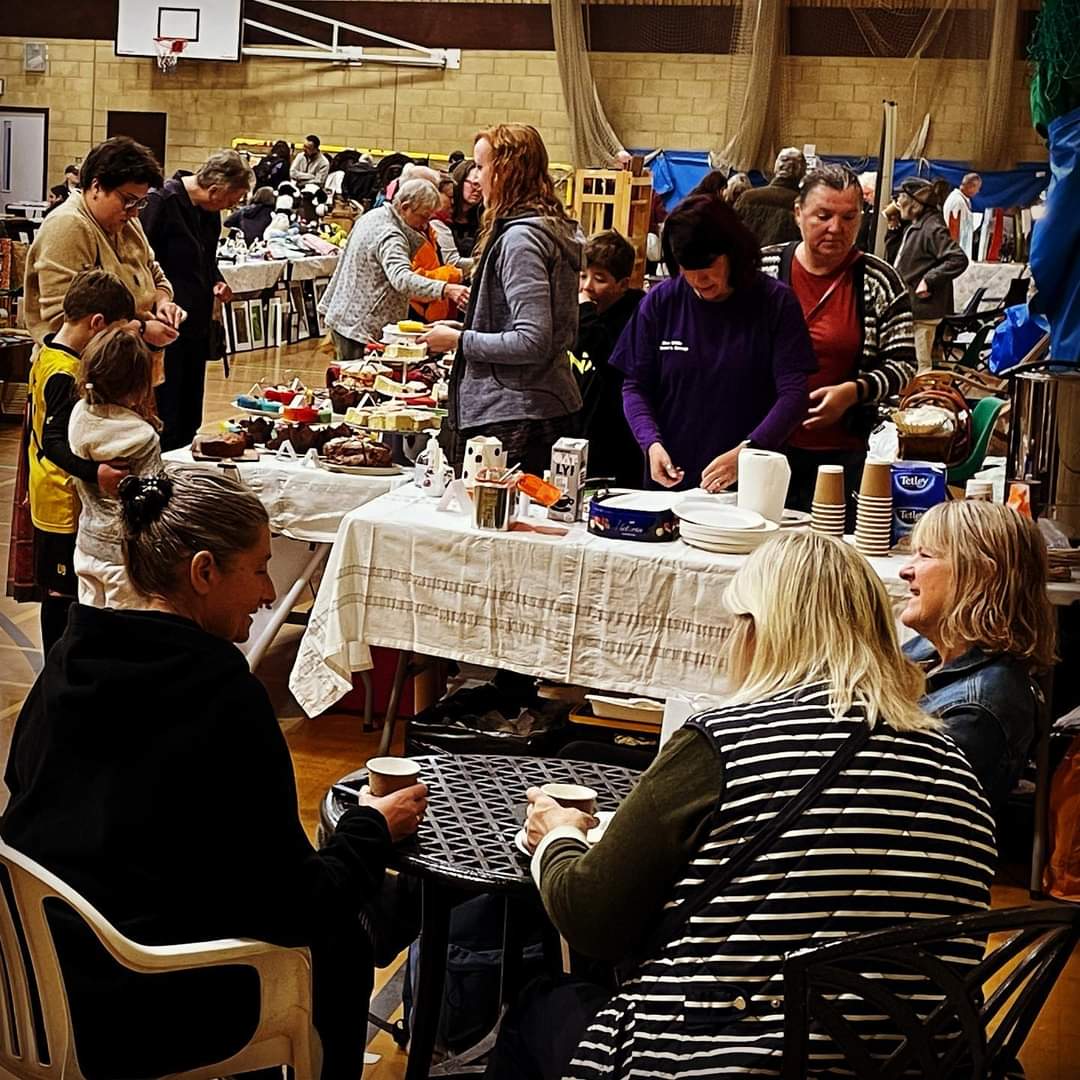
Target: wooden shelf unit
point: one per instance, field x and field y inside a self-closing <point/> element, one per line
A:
<point x="615" y="199"/>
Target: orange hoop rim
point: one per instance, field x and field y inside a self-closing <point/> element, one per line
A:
<point x="170" y="49"/>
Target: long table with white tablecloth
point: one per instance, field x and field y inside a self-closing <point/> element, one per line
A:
<point x="616" y="615"/>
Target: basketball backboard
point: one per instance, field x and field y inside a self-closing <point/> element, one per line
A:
<point x="212" y="27"/>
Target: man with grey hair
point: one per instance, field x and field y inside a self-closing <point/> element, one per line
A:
<point x="182" y="221"/>
<point x="958" y="214"/>
<point x="374" y="278"/>
<point x="769" y="211"/>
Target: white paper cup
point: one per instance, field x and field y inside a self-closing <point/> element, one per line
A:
<point x="389" y="774"/>
<point x="572" y="796"/>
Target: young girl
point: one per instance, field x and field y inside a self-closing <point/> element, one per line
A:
<point x="114" y="419"/>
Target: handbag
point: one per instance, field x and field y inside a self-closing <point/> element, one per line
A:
<point x="675" y="919"/>
<point x="21" y="580"/>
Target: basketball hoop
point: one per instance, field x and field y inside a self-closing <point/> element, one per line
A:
<point x="169" y="50"/>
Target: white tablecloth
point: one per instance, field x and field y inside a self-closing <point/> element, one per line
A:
<point x="304" y="502"/>
<point x="994" y="276"/>
<point x="617" y="615"/>
<point x="252" y="277"/>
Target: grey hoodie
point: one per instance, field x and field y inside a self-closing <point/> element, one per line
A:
<point x="522" y="320"/>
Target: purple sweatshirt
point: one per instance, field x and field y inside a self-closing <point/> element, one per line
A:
<point x="702" y="375"/>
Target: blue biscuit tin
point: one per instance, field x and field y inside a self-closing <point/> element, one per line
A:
<point x="645" y="516"/>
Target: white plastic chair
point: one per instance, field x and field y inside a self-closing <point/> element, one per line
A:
<point x="284" y="1036"/>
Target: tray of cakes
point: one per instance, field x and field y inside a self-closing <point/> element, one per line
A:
<point x="358" y="454"/>
<point x="292" y="402"/>
<point x="395" y="417"/>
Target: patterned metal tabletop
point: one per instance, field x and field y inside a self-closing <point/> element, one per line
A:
<point x="476" y="804"/>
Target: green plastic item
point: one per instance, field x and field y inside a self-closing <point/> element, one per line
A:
<point x="983" y="418"/>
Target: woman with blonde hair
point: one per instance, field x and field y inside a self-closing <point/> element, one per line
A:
<point x="512" y="377"/>
<point x="977" y="598"/>
<point x="806" y="809"/>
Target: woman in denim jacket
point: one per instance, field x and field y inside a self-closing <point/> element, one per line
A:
<point x="977" y="583"/>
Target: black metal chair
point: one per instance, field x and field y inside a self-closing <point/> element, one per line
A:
<point x="974" y="1032"/>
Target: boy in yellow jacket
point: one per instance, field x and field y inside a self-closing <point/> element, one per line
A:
<point x="95" y="300"/>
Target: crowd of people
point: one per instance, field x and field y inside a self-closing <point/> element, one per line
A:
<point x="772" y="329"/>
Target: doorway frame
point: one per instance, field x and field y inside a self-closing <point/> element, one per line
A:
<point x="45" y="162"/>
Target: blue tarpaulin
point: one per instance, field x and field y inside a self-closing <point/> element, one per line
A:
<point x="676" y="172"/>
<point x="1055" y="243"/>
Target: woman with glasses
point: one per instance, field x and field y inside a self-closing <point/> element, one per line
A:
<point x="98" y="227"/>
<point x="859" y="316"/>
<point x="467" y="207"/>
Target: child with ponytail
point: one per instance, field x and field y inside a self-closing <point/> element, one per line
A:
<point x="114" y="419"/>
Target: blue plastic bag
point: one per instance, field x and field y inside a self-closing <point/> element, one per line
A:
<point x="1015" y="336"/>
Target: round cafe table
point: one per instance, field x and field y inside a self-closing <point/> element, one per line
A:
<point x="464" y="847"/>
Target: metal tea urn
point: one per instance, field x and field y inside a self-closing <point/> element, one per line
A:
<point x="1044" y="441"/>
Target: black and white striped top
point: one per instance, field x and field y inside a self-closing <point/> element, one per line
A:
<point x="882" y="303"/>
<point x="904" y="833"/>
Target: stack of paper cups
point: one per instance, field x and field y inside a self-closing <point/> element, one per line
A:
<point x="873" y="517"/>
<point x="828" y="509"/>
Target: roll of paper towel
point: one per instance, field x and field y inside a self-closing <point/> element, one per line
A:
<point x="763" y="482"/>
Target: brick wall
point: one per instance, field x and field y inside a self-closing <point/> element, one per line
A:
<point x="680" y="101"/>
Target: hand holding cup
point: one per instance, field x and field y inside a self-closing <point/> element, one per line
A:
<point x="545" y="814"/>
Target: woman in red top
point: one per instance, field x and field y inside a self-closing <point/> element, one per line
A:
<point x="859" y="315"/>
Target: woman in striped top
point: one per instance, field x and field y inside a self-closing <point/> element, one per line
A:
<point x="902" y="833"/>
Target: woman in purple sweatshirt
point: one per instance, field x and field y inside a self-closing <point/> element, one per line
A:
<point x="716" y="357"/>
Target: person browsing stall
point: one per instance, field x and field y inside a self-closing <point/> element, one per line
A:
<point x="182" y="221"/>
<point x="977" y="598"/>
<point x="95" y="301"/>
<point x="311" y="165"/>
<point x="859" y="316"/>
<point x="374" y="278"/>
<point x="511" y="377"/>
<point x="607" y="303"/>
<point x="928" y="260"/>
<point x="98" y="227"/>
<point x="716" y="357"/>
<point x="148" y="771"/>
<point x="819" y="691"/>
<point x="769" y="211"/>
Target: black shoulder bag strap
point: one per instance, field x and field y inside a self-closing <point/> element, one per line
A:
<point x="675" y="918"/>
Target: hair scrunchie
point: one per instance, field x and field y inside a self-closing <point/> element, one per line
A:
<point x="143" y="500"/>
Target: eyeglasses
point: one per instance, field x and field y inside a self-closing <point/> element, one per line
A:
<point x="133" y="202"/>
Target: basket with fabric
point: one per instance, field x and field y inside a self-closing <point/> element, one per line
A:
<point x="933" y="420"/>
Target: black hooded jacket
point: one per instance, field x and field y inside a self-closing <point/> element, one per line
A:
<point x="148" y="771"/>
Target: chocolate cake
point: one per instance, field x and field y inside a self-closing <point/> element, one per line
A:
<point x="257" y="428"/>
<point x="357" y="452"/>
<point x="300" y="435"/>
<point x="228" y="444"/>
<point x="342" y="397"/>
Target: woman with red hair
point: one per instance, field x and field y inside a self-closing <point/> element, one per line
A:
<point x="512" y="377"/>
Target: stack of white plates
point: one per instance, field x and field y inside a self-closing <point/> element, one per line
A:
<point x="730" y="530"/>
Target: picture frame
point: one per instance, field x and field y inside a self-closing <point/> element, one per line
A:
<point x="241" y="326"/>
<point x="299" y="310"/>
<point x="257" y="323"/>
<point x="319" y="286"/>
<point x="275" y="310"/>
<point x="35" y="57"/>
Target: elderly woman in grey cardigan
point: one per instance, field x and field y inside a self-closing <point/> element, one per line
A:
<point x="374" y="279"/>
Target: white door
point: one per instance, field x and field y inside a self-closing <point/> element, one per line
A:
<point x="22" y="157"/>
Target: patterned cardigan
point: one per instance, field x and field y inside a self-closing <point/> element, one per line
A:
<point x="886" y="361"/>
